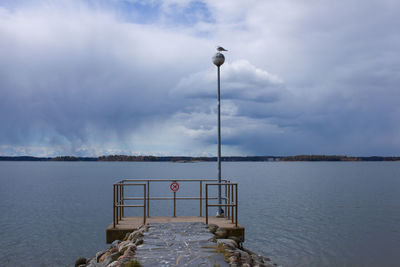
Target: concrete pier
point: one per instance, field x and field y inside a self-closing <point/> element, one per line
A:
<point x="129" y="224"/>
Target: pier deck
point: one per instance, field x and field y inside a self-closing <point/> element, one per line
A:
<point x="129" y="224"/>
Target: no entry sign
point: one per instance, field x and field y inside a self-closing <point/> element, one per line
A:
<point x="174" y="186"/>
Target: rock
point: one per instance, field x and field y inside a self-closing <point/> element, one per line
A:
<point x="221" y="233"/>
<point x="107" y="260"/>
<point x="228" y="243"/>
<point x="104" y="256"/>
<point x="80" y="261"/>
<point x="124" y="246"/>
<point x="233" y="259"/>
<point x="115" y="255"/>
<point x="244" y="256"/>
<point x="139" y="241"/>
<point x="126" y="236"/>
<point x="246" y="265"/>
<point x="257" y="258"/>
<point x="92" y="262"/>
<point x="113" y="264"/>
<point x="130" y="252"/>
<point x="98" y="255"/>
<point x="236" y="239"/>
<point x="135" y="235"/>
<point x="213" y="228"/>
<point x="130" y="263"/>
<point x="115" y="243"/>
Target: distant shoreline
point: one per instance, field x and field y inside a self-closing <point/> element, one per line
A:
<point x="183" y="159"/>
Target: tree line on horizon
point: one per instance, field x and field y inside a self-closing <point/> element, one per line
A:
<point x="200" y="159"/>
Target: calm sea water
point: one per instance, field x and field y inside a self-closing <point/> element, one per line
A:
<point x="297" y="213"/>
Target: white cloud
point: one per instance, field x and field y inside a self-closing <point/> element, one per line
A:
<point x="299" y="77"/>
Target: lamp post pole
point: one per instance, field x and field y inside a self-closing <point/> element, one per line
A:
<point x="219" y="143"/>
<point x="218" y="60"/>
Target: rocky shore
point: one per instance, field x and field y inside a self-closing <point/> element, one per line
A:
<point x="179" y="244"/>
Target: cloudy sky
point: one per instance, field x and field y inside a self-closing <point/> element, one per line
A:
<point x="99" y="77"/>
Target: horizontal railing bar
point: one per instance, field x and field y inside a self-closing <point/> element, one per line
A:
<point x="170" y="180"/>
<point x="164" y="198"/>
<point x="138" y="206"/>
<point x="221" y="205"/>
<point x="119" y="184"/>
<point x="222" y="184"/>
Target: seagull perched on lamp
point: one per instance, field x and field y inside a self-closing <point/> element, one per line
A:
<point x="220" y="49"/>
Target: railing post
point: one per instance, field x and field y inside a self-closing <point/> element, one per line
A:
<point x="117" y="200"/>
<point x="229" y="201"/>
<point x="174" y="204"/>
<point x="144" y="204"/>
<point x="148" y="198"/>
<point x="207" y="204"/>
<point x="233" y="201"/>
<point x="236" y="206"/>
<point x="120" y="201"/>
<point x="113" y="205"/>
<point x="123" y="201"/>
<point x="201" y="195"/>
<point x="225" y="199"/>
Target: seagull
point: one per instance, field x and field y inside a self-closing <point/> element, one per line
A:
<point x="220" y="49"/>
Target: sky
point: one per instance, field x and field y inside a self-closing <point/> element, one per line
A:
<point x="133" y="77"/>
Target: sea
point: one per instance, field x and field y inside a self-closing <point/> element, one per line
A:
<point x="296" y="213"/>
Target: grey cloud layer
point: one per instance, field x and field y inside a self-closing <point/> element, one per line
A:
<point x="300" y="77"/>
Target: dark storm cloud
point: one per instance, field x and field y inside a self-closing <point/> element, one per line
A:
<point x="300" y="77"/>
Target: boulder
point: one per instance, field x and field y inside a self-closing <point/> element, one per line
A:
<point x="80" y="261"/>
<point x="115" y="243"/>
<point x="135" y="235"/>
<point x="228" y="243"/>
<point x="213" y="228"/>
<point x="98" y="255"/>
<point x="104" y="256"/>
<point x="113" y="264"/>
<point x="236" y="239"/>
<point x="139" y="241"/>
<point x="124" y="246"/>
<point x="107" y="260"/>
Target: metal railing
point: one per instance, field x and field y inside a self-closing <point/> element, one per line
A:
<point x="231" y="197"/>
<point x="120" y="200"/>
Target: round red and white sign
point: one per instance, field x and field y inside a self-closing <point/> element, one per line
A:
<point x="174" y="186"/>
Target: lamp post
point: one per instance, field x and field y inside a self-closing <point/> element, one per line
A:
<point x="218" y="60"/>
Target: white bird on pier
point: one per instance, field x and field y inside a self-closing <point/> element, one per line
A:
<point x="220" y="49"/>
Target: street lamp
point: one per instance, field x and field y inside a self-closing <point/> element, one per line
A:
<point x="218" y="60"/>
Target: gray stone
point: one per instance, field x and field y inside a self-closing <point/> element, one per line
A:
<point x="257" y="258"/>
<point x="99" y="254"/>
<point x="80" y="261"/>
<point x="236" y="239"/>
<point x="113" y="264"/>
<point x="233" y="259"/>
<point x="115" y="243"/>
<point x="139" y="241"/>
<point x="135" y="235"/>
<point x="115" y="255"/>
<point x="124" y="246"/>
<point x="106" y="261"/>
<point x="213" y="228"/>
<point x="228" y="243"/>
